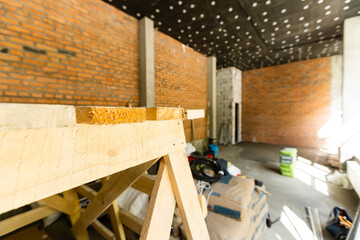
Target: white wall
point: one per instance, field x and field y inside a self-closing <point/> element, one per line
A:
<point x="351" y="87"/>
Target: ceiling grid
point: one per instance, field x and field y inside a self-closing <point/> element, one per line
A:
<point x="250" y="34"/>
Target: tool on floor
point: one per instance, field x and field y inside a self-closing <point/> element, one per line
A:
<point x="269" y="222"/>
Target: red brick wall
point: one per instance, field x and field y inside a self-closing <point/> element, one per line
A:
<point x="85" y="52"/>
<point x="287" y="104"/>
<point x="180" y="79"/>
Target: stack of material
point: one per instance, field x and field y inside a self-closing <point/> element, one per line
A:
<point x="287" y="161"/>
<point x="253" y="208"/>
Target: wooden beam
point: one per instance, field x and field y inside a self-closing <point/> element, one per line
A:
<point x="131" y="221"/>
<point x="109" y="115"/>
<point x="193" y="129"/>
<point x="108" y="194"/>
<point x="23" y="219"/>
<point x="113" y="211"/>
<point x="86" y="191"/>
<point x="60" y="204"/>
<point x="203" y="204"/>
<point x="145" y="183"/>
<point x="72" y="197"/>
<point x="194" y="113"/>
<point x="186" y="196"/>
<point x="163" y="113"/>
<point x="116" y="222"/>
<point x="28" y="116"/>
<point x="103" y="230"/>
<point x="128" y="219"/>
<point x="161" y="208"/>
<point x="48" y="161"/>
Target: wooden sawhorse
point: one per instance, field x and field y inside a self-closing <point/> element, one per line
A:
<point x="51" y="149"/>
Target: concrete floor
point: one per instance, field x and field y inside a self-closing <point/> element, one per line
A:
<point x="261" y="161"/>
<point x="291" y="195"/>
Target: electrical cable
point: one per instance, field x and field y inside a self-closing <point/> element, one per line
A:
<point x="199" y="166"/>
<point x="201" y="186"/>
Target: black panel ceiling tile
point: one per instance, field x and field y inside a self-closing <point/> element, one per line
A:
<point x="250" y="34"/>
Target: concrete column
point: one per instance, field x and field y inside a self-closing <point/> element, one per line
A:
<point x="146" y="53"/>
<point x="211" y="77"/>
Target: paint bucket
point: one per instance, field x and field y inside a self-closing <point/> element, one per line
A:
<point x="214" y="148"/>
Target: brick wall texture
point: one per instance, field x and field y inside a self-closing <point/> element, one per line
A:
<point x="180" y="80"/>
<point x="287" y="104"/>
<point x="85" y="52"/>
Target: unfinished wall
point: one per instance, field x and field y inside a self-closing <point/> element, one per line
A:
<point x="180" y="80"/>
<point x="86" y="53"/>
<point x="228" y="98"/>
<point x="68" y="52"/>
<point x="287" y="104"/>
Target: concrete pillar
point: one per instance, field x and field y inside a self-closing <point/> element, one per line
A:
<point x="211" y="77"/>
<point x="146" y="54"/>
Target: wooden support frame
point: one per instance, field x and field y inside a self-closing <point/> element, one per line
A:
<point x="60" y="204"/>
<point x="114" y="213"/>
<point x="69" y="155"/>
<point x="161" y="207"/>
<point x="23" y="219"/>
<point x="108" y="193"/>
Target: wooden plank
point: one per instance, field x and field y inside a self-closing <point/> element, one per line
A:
<point x="193" y="129"/>
<point x="103" y="230"/>
<point x="116" y="222"/>
<point x="44" y="162"/>
<point x="128" y="219"/>
<point x="145" y="183"/>
<point x="186" y="195"/>
<point x="86" y="191"/>
<point x="108" y="194"/>
<point x="131" y="221"/>
<point x="109" y="115"/>
<point x="72" y="197"/>
<point x="203" y="205"/>
<point x="60" y="204"/>
<point x="163" y="113"/>
<point x="194" y="113"/>
<point x="114" y="214"/>
<point x="161" y="208"/>
<point x="28" y="116"/>
<point x="23" y="219"/>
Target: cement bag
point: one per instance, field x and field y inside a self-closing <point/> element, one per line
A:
<point x="258" y="199"/>
<point x="221" y="227"/>
<point x="231" y="196"/>
<point x="258" y="222"/>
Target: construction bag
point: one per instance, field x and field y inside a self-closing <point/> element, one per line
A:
<point x="339" y="223"/>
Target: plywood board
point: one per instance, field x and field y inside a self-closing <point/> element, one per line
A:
<point x="27" y="116"/>
<point x="109" y="115"/>
<point x="44" y="162"/>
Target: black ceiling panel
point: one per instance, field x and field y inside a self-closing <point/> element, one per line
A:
<point x="250" y="34"/>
